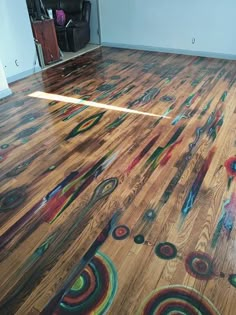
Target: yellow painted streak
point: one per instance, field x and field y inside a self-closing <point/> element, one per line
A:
<point x="66" y="99"/>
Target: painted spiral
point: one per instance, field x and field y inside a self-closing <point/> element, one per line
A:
<point x="177" y="300"/>
<point x="93" y="291"/>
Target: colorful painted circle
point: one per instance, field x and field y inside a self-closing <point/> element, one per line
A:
<point x="166" y="251"/>
<point x="12" y="199"/>
<point x="105" y="87"/>
<point x="18" y="169"/>
<point x="115" y="77"/>
<point x="30" y="117"/>
<point x="27" y="132"/>
<point x="4" y="146"/>
<point x="232" y="280"/>
<point x="139" y="239"/>
<point x="150" y="215"/>
<point x="230" y="166"/>
<point x="199" y="265"/>
<point x="177" y="300"/>
<point x="121" y="232"/>
<point x="77" y="91"/>
<point x="19" y="103"/>
<point x="167" y="98"/>
<point x="93" y="291"/>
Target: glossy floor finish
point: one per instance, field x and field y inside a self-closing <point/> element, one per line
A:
<point x="71" y="55"/>
<point x="117" y="212"/>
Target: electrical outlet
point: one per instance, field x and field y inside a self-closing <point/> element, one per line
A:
<point x="193" y="40"/>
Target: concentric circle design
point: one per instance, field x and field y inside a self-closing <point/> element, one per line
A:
<point x="166" y="251"/>
<point x="199" y="265"/>
<point x="121" y="232"/>
<point x="94" y="291"/>
<point x="232" y="280"/>
<point x="177" y="300"/>
<point x="12" y="199"/>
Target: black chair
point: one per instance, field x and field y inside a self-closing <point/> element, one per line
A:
<point x="72" y="8"/>
<point x="51" y="4"/>
<point x="76" y="33"/>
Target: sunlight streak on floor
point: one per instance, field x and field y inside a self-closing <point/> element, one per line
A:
<point x="66" y="99"/>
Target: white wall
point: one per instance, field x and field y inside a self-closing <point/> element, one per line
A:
<point x="16" y="40"/>
<point x="3" y="80"/>
<point x="94" y="23"/>
<point x="171" y="25"/>
<point x="4" y="89"/>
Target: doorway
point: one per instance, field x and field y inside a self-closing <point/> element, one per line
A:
<point x="95" y="37"/>
<point x="39" y="14"/>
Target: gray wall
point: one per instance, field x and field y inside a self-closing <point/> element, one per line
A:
<point x="16" y="40"/>
<point x="170" y="25"/>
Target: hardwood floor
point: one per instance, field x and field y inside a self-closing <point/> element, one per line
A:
<point x="117" y="212"/>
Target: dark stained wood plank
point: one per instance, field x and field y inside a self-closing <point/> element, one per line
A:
<point x="143" y="207"/>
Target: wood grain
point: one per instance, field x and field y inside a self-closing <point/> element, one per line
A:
<point x="103" y="211"/>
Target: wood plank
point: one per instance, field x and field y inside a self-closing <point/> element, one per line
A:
<point x="67" y="169"/>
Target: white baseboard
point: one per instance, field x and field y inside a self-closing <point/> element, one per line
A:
<point x="23" y="74"/>
<point x="172" y="51"/>
<point x="5" y="93"/>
